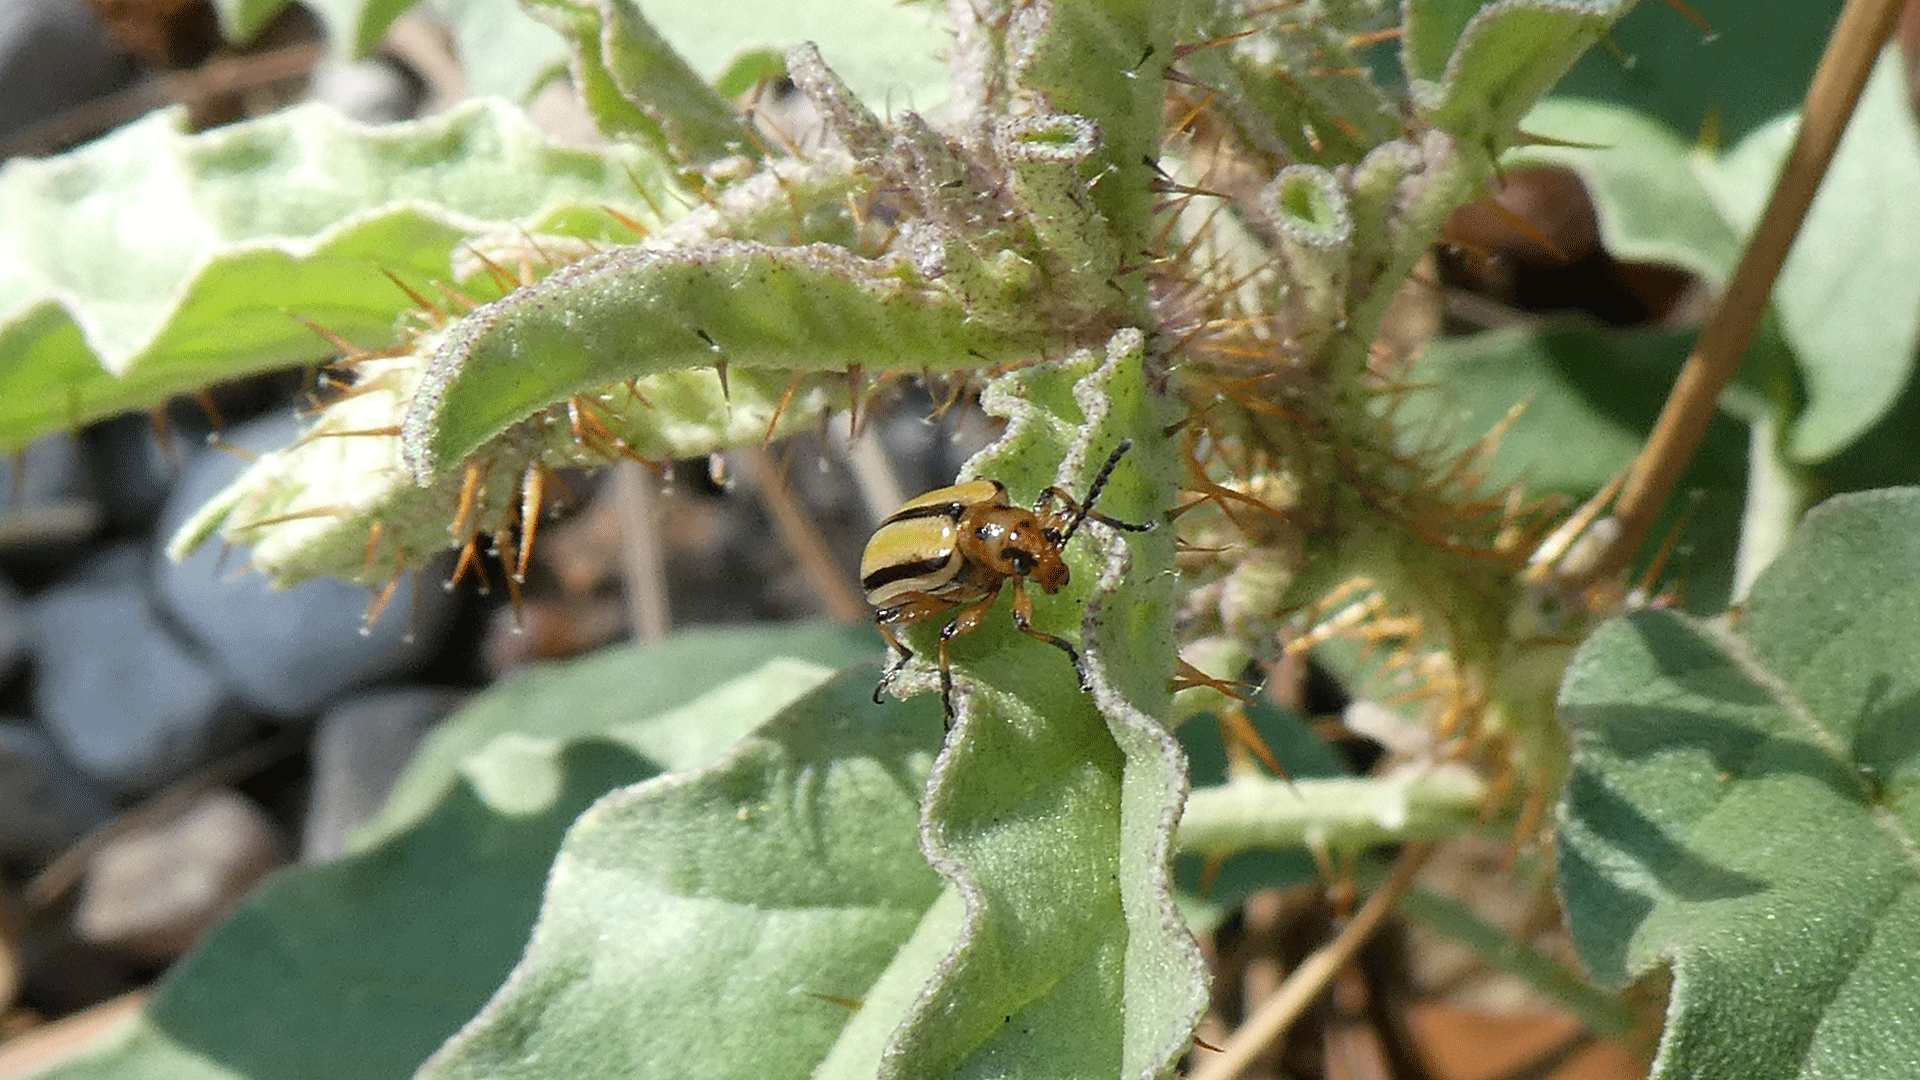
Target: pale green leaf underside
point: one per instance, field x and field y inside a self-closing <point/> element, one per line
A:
<point x="401" y="942"/>
<point x="1743" y="807"/>
<point x="347" y="506"/>
<point x="889" y="52"/>
<point x="1475" y="69"/>
<point x="1052" y="810"/>
<point x="155" y="262"/>
<point x="637" y="311"/>
<point x="761" y="895"/>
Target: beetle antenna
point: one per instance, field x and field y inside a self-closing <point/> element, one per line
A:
<point x="1093" y="493"/>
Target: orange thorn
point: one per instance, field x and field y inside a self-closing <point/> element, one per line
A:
<point x="1209" y="875"/>
<point x="468" y="555"/>
<point x="204" y="399"/>
<point x="1691" y="16"/>
<point x="225" y="447"/>
<point x="163" y="434"/>
<point x="639" y="230"/>
<point x="378" y="605"/>
<point x="459" y="298"/>
<point x="503" y="547"/>
<point x="1181" y="52"/>
<point x="373" y="546"/>
<point x="419" y="301"/>
<point x="502" y="279"/>
<point x="338" y="512"/>
<point x="389" y="432"/>
<point x="773" y="422"/>
<point x="533" y="487"/>
<point x="1375" y="37"/>
<point x="855" y="377"/>
<point x="463" y="509"/>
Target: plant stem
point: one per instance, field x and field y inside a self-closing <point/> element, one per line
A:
<point x="1347" y="814"/>
<point x="1277" y="1013"/>
<point x="1864" y="28"/>
<point x="1777" y="494"/>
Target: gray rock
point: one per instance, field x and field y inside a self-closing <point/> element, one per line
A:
<point x="54" y="54"/>
<point x="43" y="505"/>
<point x="13" y="627"/>
<point x="123" y="699"/>
<point x="373" y="91"/>
<point x="154" y="891"/>
<point x="285" y="652"/>
<point x="360" y="749"/>
<point x="45" y="804"/>
<point x="129" y="472"/>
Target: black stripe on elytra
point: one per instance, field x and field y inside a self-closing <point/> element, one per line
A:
<point x="887" y="575"/>
<point x="946" y="510"/>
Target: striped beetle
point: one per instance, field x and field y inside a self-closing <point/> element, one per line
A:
<point x="952" y="549"/>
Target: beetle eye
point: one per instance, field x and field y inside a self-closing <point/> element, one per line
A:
<point x="1021" y="561"/>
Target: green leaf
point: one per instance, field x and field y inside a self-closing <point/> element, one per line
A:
<point x="339" y="501"/>
<point x="1742" y="807"/>
<point x="638" y="87"/>
<point x="753" y="902"/>
<point x="1753" y="65"/>
<point x="603" y="692"/>
<point x="1651" y="191"/>
<point x="1474" y="70"/>
<point x="1052" y="809"/>
<point x="1095" y="58"/>
<point x="402" y="941"/>
<point x="1849" y="293"/>
<point x="636" y="311"/>
<point x="1586" y="397"/>
<point x="210" y="241"/>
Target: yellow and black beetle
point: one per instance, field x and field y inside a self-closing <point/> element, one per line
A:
<point x="954" y="548"/>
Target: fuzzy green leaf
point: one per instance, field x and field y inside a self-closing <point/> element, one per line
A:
<point x="1849" y="293"/>
<point x="1475" y="70"/>
<point x="603" y="692"/>
<point x="340" y="502"/>
<point x="1751" y="66"/>
<point x="1650" y="190"/>
<point x="1586" y="396"/>
<point x="1102" y="61"/>
<point x="1052" y="810"/>
<point x="638" y="87"/>
<point x="1743" y="808"/>
<point x="155" y="262"/>
<point x="401" y="942"/>
<point x="636" y="312"/>
<point x="753" y="901"/>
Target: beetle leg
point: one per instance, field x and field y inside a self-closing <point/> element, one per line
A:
<point x="1023" y="619"/>
<point x="902" y="654"/>
<point x="968" y="618"/>
<point x="910" y="608"/>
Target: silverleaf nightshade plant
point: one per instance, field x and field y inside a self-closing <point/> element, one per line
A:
<point x="1179" y="225"/>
